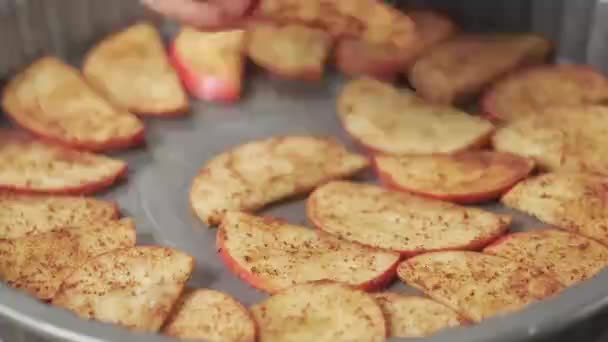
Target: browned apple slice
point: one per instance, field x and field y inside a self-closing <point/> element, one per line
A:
<point x="358" y="57"/>
<point x="210" y="316"/>
<point x="570" y="138"/>
<point x="385" y="119"/>
<point x="400" y="222"/>
<point x="477" y="285"/>
<point x="432" y="28"/>
<point x="468" y="177"/>
<point x="412" y="316"/>
<point x="322" y="312"/>
<point x="272" y="255"/>
<point x="39" y="264"/>
<point x="210" y="63"/>
<point x="370" y="20"/>
<point x="528" y="92"/>
<point x="574" y="202"/>
<point x="261" y="172"/>
<point x="132" y="68"/>
<point x="52" y="100"/>
<point x="30" y="165"/>
<point x="460" y="68"/>
<point x="27" y="215"/>
<point x="567" y="257"/>
<point x="290" y="51"/>
<point x="133" y="287"/>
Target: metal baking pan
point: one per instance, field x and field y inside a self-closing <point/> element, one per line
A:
<point x="156" y="194"/>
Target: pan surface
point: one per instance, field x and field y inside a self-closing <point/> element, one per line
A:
<point x="156" y="195"/>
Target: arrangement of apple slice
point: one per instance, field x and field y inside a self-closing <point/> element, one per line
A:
<point x="30" y="165"/>
<point x="210" y="316"/>
<point x="320" y="311"/>
<point x="400" y="222"/>
<point x="388" y="120"/>
<point x="210" y="64"/>
<point x="467" y="177"/>
<point x="384" y="61"/>
<point x="415" y="317"/>
<point x="133" y="287"/>
<point x="27" y="215"/>
<point x="290" y="50"/>
<point x="567" y="257"/>
<point x="132" y="69"/>
<point x="370" y="20"/>
<point x="477" y="285"/>
<point x="76" y="253"/>
<point x="272" y="255"/>
<point x="572" y="201"/>
<point x="52" y="100"/>
<point x="258" y="173"/>
<point x="570" y="138"/>
<point x="461" y="67"/>
<point x="530" y="91"/>
<point x="39" y="264"/>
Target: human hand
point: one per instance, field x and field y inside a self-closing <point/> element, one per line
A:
<point x="202" y="14"/>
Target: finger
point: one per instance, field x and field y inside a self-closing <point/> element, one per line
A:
<point x="202" y="14"/>
<point x="234" y="8"/>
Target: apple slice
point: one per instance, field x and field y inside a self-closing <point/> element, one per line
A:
<point x="210" y="64"/>
<point x="467" y="178"/>
<point x="432" y="28"/>
<point x="400" y="222"/>
<point x="460" y="68"/>
<point x="133" y="287"/>
<point x="29" y="165"/>
<point x="290" y="50"/>
<point x="24" y="215"/>
<point x="39" y="264"/>
<point x="370" y="20"/>
<point x="131" y="68"/>
<point x="356" y="57"/>
<point x="571" y="201"/>
<point x="414" y="317"/>
<point x="258" y="173"/>
<point x="210" y="316"/>
<point x="52" y="100"/>
<point x="569" y="138"/>
<point x="528" y="92"/>
<point x="387" y="120"/>
<point x="272" y="255"/>
<point x="477" y="285"/>
<point x="321" y="312"/>
<point x="567" y="257"/>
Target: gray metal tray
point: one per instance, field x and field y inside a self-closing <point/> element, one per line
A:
<point x="156" y="195"/>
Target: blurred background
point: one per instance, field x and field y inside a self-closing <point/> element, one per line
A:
<point x="29" y="28"/>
